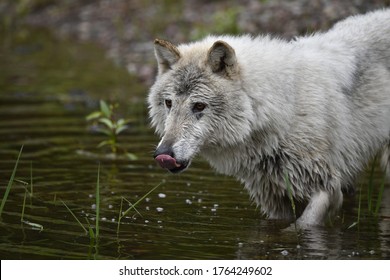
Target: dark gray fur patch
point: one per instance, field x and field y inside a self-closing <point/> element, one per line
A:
<point x="188" y="78"/>
<point x="357" y="80"/>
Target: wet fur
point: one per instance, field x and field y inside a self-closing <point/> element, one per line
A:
<point x="314" y="110"/>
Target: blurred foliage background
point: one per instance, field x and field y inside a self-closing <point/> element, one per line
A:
<point x="125" y="29"/>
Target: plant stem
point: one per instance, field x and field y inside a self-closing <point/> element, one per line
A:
<point x="371" y="186"/>
<point x="97" y="203"/>
<point x="10" y="182"/>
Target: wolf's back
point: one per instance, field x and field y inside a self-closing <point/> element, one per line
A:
<point x="366" y="32"/>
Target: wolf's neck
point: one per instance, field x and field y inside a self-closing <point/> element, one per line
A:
<point x="243" y="159"/>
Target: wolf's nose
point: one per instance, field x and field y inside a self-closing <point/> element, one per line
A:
<point x="163" y="150"/>
<point x="165" y="157"/>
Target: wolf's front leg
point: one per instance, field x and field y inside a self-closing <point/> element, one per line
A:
<point x="320" y="205"/>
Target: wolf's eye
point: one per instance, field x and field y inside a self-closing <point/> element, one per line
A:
<point x="168" y="103"/>
<point x="199" y="107"/>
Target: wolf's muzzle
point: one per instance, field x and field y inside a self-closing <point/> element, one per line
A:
<point x="166" y="159"/>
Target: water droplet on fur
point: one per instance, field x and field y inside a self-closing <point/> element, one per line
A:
<point x="162" y="195"/>
<point x="284" y="252"/>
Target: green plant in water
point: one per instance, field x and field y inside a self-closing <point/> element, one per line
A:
<point x="110" y="126"/>
<point x="371" y="210"/>
<point x="30" y="193"/>
<point x="356" y="223"/>
<point x="97" y="196"/>
<point x="290" y="195"/>
<point x="92" y="234"/>
<point x="132" y="206"/>
<point x="370" y="196"/>
<point x="10" y="182"/>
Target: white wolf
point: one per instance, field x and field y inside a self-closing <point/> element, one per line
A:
<point x="298" y="118"/>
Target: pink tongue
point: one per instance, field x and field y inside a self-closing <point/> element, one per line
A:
<point x="166" y="161"/>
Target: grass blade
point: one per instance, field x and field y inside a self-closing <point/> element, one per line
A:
<point x="31" y="180"/>
<point x="97" y="203"/>
<point x="290" y="195"/>
<point x="24" y="206"/>
<point x="132" y="206"/>
<point x="139" y="200"/>
<point x="380" y="194"/>
<point x="119" y="216"/>
<point x="10" y="182"/>
<point x="371" y="186"/>
<point x="74" y="216"/>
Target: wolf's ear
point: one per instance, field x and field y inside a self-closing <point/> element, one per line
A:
<point x="222" y="59"/>
<point x="166" y="53"/>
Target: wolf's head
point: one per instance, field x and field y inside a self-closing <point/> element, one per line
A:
<point x="197" y="101"/>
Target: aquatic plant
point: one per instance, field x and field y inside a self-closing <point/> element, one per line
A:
<point x="370" y="199"/>
<point x="10" y="182"/>
<point x="371" y="210"/>
<point x="92" y="234"/>
<point x="97" y="202"/>
<point x="132" y="206"/>
<point x="106" y="123"/>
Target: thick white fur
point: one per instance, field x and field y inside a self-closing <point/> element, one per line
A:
<point x="310" y="113"/>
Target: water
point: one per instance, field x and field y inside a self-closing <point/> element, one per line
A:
<point x="47" y="87"/>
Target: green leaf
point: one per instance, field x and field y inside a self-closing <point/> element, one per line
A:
<point x="120" y="129"/>
<point x="107" y="122"/>
<point x="105" y="109"/>
<point x="105" y="143"/>
<point x="131" y="156"/>
<point x="105" y="131"/>
<point x="122" y="122"/>
<point x="93" y="116"/>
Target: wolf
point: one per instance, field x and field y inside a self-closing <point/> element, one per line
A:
<point x="294" y="121"/>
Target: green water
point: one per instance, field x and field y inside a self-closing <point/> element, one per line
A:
<point x="47" y="87"/>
